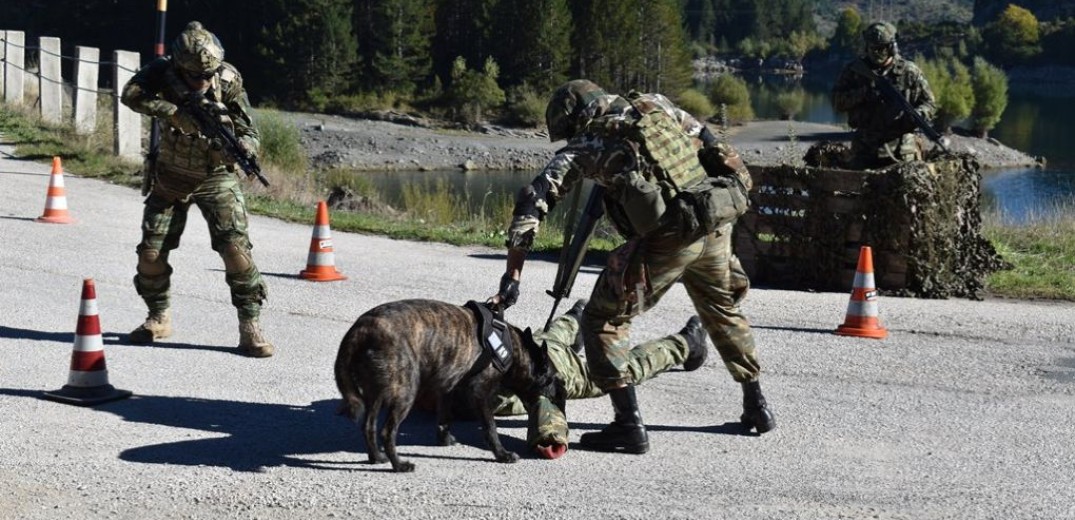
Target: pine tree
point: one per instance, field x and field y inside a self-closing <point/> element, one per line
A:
<point x="310" y="49"/>
<point x="534" y="49"/>
<point x="395" y="47"/>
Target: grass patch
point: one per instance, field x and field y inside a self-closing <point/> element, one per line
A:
<point x="1042" y="252"/>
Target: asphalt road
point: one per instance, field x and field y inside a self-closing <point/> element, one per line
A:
<point x="965" y="411"/>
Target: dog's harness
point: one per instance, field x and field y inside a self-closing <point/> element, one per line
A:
<point x="494" y="338"/>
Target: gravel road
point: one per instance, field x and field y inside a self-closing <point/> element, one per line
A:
<point x="964" y="412"/>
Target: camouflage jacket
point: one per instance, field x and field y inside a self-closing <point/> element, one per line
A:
<point x="601" y="158"/>
<point x="874" y="119"/>
<point x="157" y="90"/>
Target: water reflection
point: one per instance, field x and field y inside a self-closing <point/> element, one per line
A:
<point x="1027" y="194"/>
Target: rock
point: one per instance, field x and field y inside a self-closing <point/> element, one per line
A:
<point x="468" y="165"/>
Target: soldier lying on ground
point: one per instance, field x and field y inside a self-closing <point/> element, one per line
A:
<point x="547" y="432"/>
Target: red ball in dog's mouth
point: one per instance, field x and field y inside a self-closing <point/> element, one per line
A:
<point x="550" y="451"/>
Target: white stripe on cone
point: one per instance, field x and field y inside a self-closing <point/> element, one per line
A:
<point x="328" y="258"/>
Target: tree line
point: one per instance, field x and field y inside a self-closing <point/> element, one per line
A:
<point x="459" y="58"/>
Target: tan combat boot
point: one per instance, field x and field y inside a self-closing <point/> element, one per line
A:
<point x="251" y="341"/>
<point x="158" y="325"/>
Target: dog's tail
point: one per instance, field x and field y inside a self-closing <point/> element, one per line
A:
<point x="352" y="406"/>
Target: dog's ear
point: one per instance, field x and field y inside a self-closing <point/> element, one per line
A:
<point x="528" y="335"/>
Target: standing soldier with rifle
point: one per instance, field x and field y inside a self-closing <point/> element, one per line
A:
<point x="886" y="98"/>
<point x="206" y="131"/>
<point x="642" y="153"/>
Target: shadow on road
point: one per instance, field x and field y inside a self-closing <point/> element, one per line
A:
<point x="109" y="338"/>
<point x="255" y="436"/>
<point x="794" y="329"/>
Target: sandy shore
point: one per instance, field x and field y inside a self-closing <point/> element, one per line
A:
<point x="373" y="145"/>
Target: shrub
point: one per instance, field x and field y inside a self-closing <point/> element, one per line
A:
<point x="696" y="104"/>
<point x="990" y="86"/>
<point x="950" y="82"/>
<point x="525" y="106"/>
<point x="790" y="103"/>
<point x="731" y="91"/>
<point x="281" y="145"/>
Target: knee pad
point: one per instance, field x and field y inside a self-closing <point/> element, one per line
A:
<point x="150" y="263"/>
<point x="236" y="259"/>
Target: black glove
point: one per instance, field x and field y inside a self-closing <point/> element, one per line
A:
<point x="509" y="291"/>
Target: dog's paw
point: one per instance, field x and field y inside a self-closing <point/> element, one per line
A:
<point x="403" y="467"/>
<point x="508" y="457"/>
<point x="378" y="458"/>
<point x="448" y="440"/>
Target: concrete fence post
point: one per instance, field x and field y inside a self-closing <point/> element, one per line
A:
<point x="128" y="122"/>
<point x="50" y="80"/>
<point x="14" y="65"/>
<point x="3" y="62"/>
<point x="87" y="67"/>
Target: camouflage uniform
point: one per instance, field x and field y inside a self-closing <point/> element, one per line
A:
<point x="710" y="272"/>
<point x="883" y="134"/>
<point x="645" y="362"/>
<point x="192" y="169"/>
<point x="641" y="271"/>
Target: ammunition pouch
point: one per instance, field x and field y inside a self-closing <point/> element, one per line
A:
<point x="710" y="204"/>
<point x="641" y="203"/>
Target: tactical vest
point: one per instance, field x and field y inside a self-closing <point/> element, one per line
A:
<point x="190" y="158"/>
<point x="638" y="200"/>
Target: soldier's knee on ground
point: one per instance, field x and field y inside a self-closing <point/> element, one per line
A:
<point x="150" y="263"/>
<point x="236" y="258"/>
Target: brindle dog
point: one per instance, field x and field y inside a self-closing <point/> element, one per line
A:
<point x="409" y="350"/>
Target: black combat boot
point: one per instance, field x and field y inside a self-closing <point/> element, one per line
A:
<point x="576" y="312"/>
<point x="694" y="333"/>
<point x="626" y="433"/>
<point x="755" y="413"/>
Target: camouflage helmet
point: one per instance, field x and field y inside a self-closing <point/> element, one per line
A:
<point x="879" y="33"/>
<point x="565" y="106"/>
<point x="197" y="50"/>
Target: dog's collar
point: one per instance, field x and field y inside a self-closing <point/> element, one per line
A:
<point x="494" y="339"/>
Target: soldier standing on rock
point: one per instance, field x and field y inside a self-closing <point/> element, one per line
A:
<point x="883" y="132"/>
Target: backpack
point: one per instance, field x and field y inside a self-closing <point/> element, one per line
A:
<point x="673" y="185"/>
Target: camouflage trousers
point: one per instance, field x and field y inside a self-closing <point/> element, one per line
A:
<point x="640" y="272"/>
<point x="164" y="218"/>
<point x="645" y="362"/>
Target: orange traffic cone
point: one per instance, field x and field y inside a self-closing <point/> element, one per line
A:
<point x="87" y="383"/>
<point x="321" y="264"/>
<point x="56" y="202"/>
<point x="861" y="320"/>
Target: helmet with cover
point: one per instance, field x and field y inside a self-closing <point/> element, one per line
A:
<point x="880" y="40"/>
<point x="565" y="107"/>
<point x="197" y="51"/>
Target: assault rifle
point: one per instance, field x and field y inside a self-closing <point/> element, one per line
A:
<point x="208" y="119"/>
<point x="575" y="244"/>
<point x="889" y="92"/>
<point x="149" y="168"/>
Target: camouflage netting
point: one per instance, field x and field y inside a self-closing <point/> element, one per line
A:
<point x="921" y="219"/>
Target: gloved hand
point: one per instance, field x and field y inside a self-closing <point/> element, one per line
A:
<point x="182" y="121"/>
<point x="507" y="295"/>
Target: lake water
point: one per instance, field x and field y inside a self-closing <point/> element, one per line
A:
<point x="1041" y="125"/>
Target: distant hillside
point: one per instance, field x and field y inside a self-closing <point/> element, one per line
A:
<point x="897" y="10"/>
<point x="1045" y="10"/>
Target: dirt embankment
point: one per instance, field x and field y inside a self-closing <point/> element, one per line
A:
<point x="405" y="143"/>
